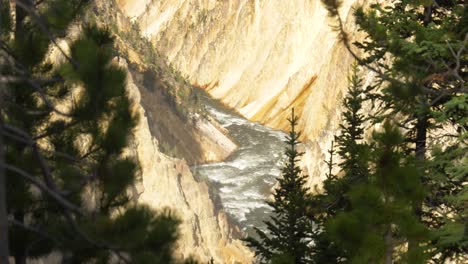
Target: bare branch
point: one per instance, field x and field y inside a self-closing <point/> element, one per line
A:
<point x="343" y="36"/>
<point x="42" y="163"/>
<point x="24" y="138"/>
<point x="17" y="79"/>
<point x="46" y="100"/>
<point x="89" y="240"/>
<point x="78" y="230"/>
<point x="58" y="198"/>
<point x="34" y="230"/>
<point x="30" y="80"/>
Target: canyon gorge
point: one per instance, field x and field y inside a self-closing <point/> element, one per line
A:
<point x="204" y="74"/>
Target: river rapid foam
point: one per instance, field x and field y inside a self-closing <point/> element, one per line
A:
<point x="246" y="177"/>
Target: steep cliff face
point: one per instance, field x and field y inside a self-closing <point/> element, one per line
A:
<point x="175" y="116"/>
<point x="260" y="57"/>
<point x="167" y="182"/>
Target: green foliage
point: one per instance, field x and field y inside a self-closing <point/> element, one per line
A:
<point x="351" y="148"/>
<point x="289" y="230"/>
<point x="381" y="217"/>
<point x="353" y="154"/>
<point x="418" y="51"/>
<point x="76" y="200"/>
<point x="449" y="171"/>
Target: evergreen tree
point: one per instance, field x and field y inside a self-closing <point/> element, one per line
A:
<point x="350" y="143"/>
<point x="381" y="217"/>
<point x="353" y="154"/>
<point x="324" y="250"/>
<point x="418" y="51"/>
<point x="289" y="231"/>
<point x="67" y="180"/>
<point x="352" y="150"/>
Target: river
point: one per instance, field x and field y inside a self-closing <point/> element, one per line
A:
<point x="245" y="179"/>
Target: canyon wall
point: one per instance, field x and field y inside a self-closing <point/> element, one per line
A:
<point x="260" y="57"/>
<point x="167" y="182"/>
<point x="161" y="98"/>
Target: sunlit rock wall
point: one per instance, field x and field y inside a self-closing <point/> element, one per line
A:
<point x="168" y="183"/>
<point x="261" y="57"/>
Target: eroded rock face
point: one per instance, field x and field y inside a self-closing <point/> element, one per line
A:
<point x="260" y="57"/>
<point x="168" y="183"/>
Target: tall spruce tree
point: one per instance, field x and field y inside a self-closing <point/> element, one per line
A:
<point x="353" y="154"/>
<point x="289" y="231"/>
<point x="418" y="50"/>
<point x="352" y="150"/>
<point x="350" y="143"/>
<point x="67" y="181"/>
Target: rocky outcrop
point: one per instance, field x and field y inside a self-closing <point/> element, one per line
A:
<point x="259" y="57"/>
<point x="190" y="136"/>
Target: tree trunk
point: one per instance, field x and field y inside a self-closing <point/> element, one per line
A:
<point x="20" y="259"/>
<point x="421" y="136"/>
<point x="20" y="15"/>
<point x="422" y="125"/>
<point x="20" y="251"/>
<point x="389" y="246"/>
<point x="4" y="244"/>
<point x="420" y="153"/>
<point x="427" y="15"/>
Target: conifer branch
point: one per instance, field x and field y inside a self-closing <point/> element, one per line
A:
<point x="333" y="9"/>
<point x="43" y="26"/>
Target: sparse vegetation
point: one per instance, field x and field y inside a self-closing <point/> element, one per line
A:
<point x="202" y="16"/>
<point x="175" y="87"/>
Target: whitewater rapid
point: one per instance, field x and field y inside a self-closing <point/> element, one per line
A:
<point x="245" y="179"/>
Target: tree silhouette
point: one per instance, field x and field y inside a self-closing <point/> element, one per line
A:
<point x="289" y="231"/>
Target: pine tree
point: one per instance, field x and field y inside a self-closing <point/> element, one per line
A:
<point x="324" y="250"/>
<point x="289" y="231"/>
<point x="67" y="178"/>
<point x="381" y="217"/>
<point x="350" y="142"/>
<point x="353" y="154"/>
<point x="351" y="148"/>
<point x="418" y="51"/>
